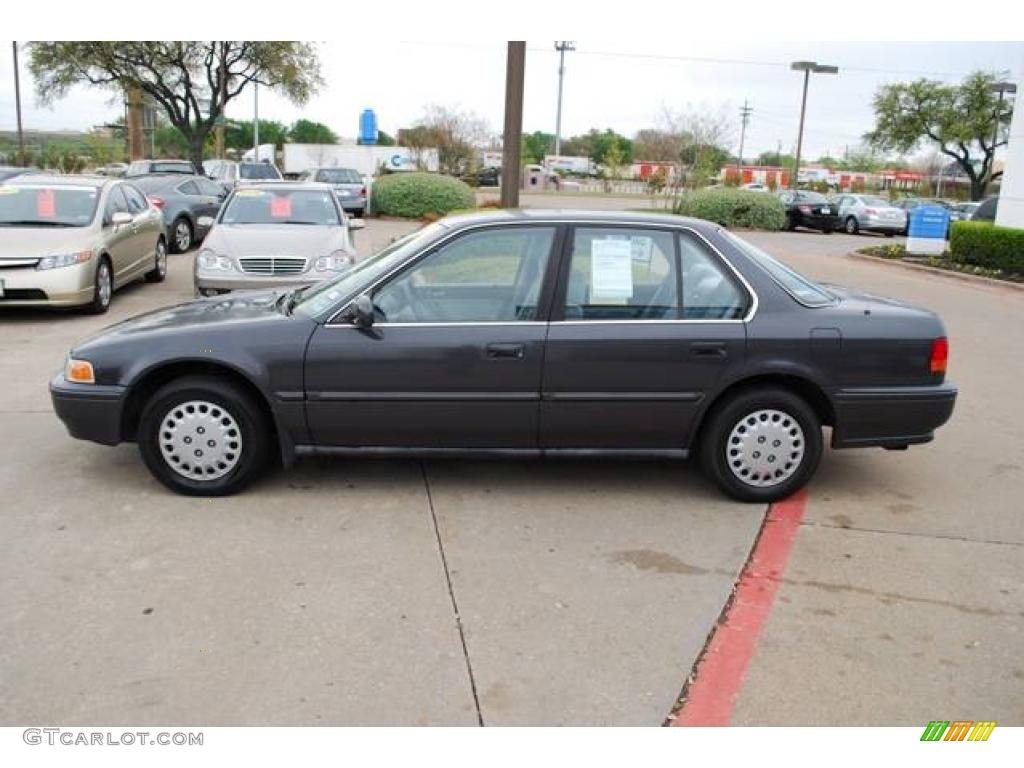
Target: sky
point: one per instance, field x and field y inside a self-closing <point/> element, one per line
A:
<point x="620" y="84"/>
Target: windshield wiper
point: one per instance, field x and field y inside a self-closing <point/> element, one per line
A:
<point x="36" y="223"/>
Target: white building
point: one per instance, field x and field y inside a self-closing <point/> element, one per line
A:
<point x="1010" y="212"/>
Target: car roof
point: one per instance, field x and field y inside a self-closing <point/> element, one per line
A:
<point x="65" y="180"/>
<point x="166" y="179"/>
<point x="557" y="216"/>
<point x="278" y="184"/>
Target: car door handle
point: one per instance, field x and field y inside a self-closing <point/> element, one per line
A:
<point x="514" y="351"/>
<point x="708" y="349"/>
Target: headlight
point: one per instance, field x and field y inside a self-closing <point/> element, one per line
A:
<point x="79" y="371"/>
<point x="336" y="262"/>
<point x="64" y="260"/>
<point x="208" y="259"/>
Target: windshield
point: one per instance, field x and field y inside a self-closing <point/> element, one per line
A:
<point x="42" y="205"/>
<point x="281" y="206"/>
<point x="323" y="296"/>
<point x="339" y="176"/>
<point x="258" y="171"/>
<point x="811" y="197"/>
<point x="803" y="289"/>
<point x="181" y="167"/>
<point x="877" y="201"/>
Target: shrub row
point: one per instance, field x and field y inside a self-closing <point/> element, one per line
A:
<point x="415" y="195"/>
<point x="735" y="208"/>
<point x="987" y="245"/>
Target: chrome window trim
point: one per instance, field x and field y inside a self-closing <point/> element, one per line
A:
<point x="754" y="301"/>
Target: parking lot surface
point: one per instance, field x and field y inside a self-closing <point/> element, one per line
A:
<point x="457" y="592"/>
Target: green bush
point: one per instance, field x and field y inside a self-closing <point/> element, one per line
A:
<point x="415" y="195"/>
<point x="735" y="208"/>
<point x="986" y="245"/>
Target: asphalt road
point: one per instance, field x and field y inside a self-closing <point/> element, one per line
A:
<point x="584" y="590"/>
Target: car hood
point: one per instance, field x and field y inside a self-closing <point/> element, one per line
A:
<point x="305" y="240"/>
<point x="36" y="242"/>
<point x="232" y="308"/>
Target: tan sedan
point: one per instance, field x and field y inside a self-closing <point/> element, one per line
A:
<point x="73" y="240"/>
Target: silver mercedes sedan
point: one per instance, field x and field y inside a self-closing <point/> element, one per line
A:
<point x="275" y="234"/>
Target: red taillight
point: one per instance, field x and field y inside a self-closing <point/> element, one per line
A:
<point x="363" y="191"/>
<point x="870" y="211"/>
<point x="157" y="201"/>
<point x="940" y="355"/>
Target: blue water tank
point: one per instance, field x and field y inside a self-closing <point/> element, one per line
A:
<point x="368" y="127"/>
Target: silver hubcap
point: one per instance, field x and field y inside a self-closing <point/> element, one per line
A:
<point x="103" y="284"/>
<point x="765" y="448"/>
<point x="182" y="236"/>
<point x="161" y="258"/>
<point x="200" y="440"/>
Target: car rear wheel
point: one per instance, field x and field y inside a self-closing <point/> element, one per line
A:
<point x="762" y="445"/>
<point x="851" y="226"/>
<point x="790" y="223"/>
<point x="182" y="234"/>
<point x="103" y="288"/>
<point x="159" y="272"/>
<point x="202" y="436"/>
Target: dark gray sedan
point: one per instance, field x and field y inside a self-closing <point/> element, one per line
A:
<point x="185" y="202"/>
<point x="521" y="334"/>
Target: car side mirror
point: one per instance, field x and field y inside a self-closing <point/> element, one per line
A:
<point x="121" y="217"/>
<point x="354" y="224"/>
<point x="362" y="311"/>
<point x="205" y="221"/>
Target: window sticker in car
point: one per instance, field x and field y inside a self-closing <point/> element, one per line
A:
<point x="46" y="204"/>
<point x="250" y="193"/>
<point x="280" y="207"/>
<point x="611" y="269"/>
<point x="8" y="190"/>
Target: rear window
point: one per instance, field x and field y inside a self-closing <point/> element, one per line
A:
<point x="42" y="205"/>
<point x="181" y="167"/>
<point x="339" y="176"/>
<point x="801" y="288"/>
<point x="258" y="171"/>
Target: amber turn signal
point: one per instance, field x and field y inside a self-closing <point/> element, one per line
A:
<point x="80" y="372"/>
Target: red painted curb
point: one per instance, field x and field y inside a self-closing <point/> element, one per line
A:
<point x="709" y="698"/>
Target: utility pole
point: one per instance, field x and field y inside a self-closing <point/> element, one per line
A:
<point x="745" y="117"/>
<point x="1000" y="88"/>
<point x="17" y="106"/>
<point x="219" y="130"/>
<point x="256" y="121"/>
<point x="136" y="140"/>
<point x="512" y="136"/>
<point x="806" y="67"/>
<point x="561" y="46"/>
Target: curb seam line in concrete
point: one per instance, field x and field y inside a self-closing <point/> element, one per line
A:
<point x="451" y="594"/>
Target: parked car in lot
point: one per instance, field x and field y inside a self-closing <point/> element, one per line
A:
<point x="523" y="333"/>
<point x="229" y="173"/>
<point x="756" y="186"/>
<point x="272" y="235"/>
<point x="348" y="186"/>
<point x="74" y="240"/>
<point x="870" y="213"/>
<point x="962" y="211"/>
<point x="809" y="209"/>
<point x="183" y="202"/>
<point x="146" y="167"/>
<point x="986" y="210"/>
<point x="491" y="177"/>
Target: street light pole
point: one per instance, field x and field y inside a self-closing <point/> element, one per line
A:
<point x="256" y="121"/>
<point x="1000" y="88"/>
<point x="561" y="46"/>
<point x="745" y="114"/>
<point x="17" y="106"/>
<point x="806" y="67"/>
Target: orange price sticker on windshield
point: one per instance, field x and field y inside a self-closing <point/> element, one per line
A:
<point x="46" y="204"/>
<point x="280" y="207"/>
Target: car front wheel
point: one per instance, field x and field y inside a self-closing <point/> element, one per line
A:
<point x="203" y="436"/>
<point x="762" y="445"/>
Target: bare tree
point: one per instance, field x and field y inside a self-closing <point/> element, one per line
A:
<point x="456" y="135"/>
<point x="701" y="137"/>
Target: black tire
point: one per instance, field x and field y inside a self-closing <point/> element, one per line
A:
<point x="159" y="271"/>
<point x="101" y="297"/>
<point x="182" y="235"/>
<point x="227" y="404"/>
<point x="851" y="226"/>
<point x="730" y="415"/>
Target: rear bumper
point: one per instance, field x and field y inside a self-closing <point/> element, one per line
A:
<point x="89" y="411"/>
<point x="817" y="221"/>
<point x="891" y="417"/>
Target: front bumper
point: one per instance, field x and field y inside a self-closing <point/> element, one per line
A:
<point x="890" y="417"/>
<point x="239" y="281"/>
<point x="64" y="287"/>
<point x="89" y="411"/>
